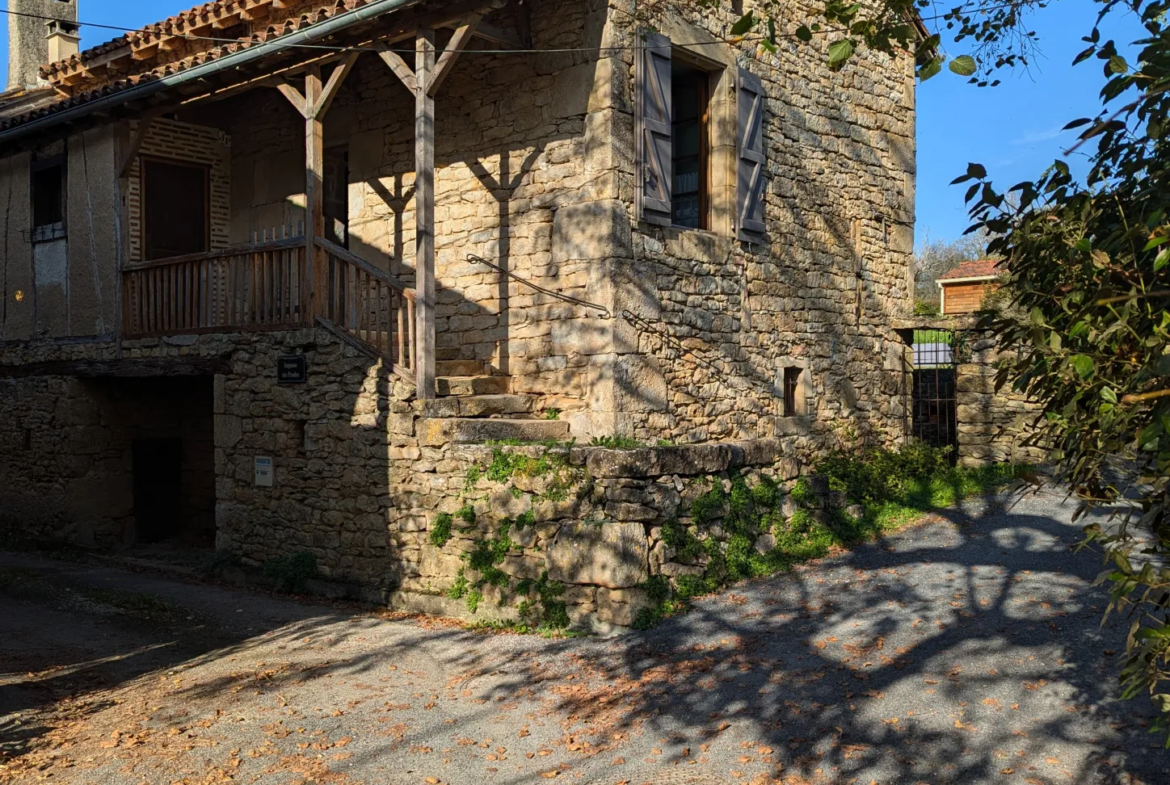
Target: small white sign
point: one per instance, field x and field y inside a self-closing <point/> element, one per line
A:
<point x="264" y="472"/>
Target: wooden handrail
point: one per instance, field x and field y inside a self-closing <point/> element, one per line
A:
<point x="235" y="250"/>
<point x="350" y="258"/>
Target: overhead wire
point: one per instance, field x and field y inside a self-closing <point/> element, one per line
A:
<point x="374" y="48"/>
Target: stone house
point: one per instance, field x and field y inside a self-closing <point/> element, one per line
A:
<point x="272" y="270"/>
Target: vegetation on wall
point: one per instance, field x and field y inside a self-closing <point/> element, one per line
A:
<point x="884" y="490"/>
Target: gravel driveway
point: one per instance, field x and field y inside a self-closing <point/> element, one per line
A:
<point x="965" y="650"/>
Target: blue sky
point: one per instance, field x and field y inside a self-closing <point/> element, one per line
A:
<point x="1013" y="129"/>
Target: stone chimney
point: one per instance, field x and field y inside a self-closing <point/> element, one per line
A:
<point x="39" y="32"/>
<point x="63" y="40"/>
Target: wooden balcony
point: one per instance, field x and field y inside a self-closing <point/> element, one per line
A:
<point x="269" y="286"/>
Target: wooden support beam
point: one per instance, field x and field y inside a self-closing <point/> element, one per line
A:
<point x="446" y="62"/>
<point x="505" y="39"/>
<point x="314" y="185"/>
<point x="524" y="23"/>
<point x="329" y="92"/>
<point x="135" y="145"/>
<point x="294" y="97"/>
<point x="400" y="69"/>
<point x="424" y="211"/>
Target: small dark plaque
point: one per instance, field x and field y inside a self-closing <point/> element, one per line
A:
<point x="293" y="369"/>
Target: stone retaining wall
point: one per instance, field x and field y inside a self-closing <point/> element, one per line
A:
<point x="993" y="426"/>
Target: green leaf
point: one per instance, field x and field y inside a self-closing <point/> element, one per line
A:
<point x="1083" y="365"/>
<point x="772" y="33"/>
<point x="963" y="65"/>
<point x="803" y="33"/>
<point x="1037" y="317"/>
<point x="976" y="171"/>
<point x="1162" y="366"/>
<point x="1149" y="434"/>
<point x="930" y="69"/>
<point x="1118" y="65"/>
<point x="1108" y="395"/>
<point x="840" y="52"/>
<point x="1155" y="242"/>
<point x="1161" y="259"/>
<point x="745" y="23"/>
<point x="1084" y="245"/>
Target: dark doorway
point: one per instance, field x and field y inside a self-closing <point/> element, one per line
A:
<point x="336" y="183"/>
<point x="935" y="419"/>
<point x="158" y="489"/>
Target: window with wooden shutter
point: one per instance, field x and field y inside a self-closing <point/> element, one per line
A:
<point x="750" y="185"/>
<point x="654" y="132"/>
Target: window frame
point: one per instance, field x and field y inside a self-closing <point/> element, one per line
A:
<point x="707" y="73"/>
<point x="144" y="190"/>
<point x="58" y="230"/>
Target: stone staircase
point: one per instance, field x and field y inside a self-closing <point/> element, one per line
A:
<point x="475" y="406"/>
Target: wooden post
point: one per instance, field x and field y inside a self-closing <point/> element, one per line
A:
<point x="314" y="185"/>
<point x="424" y="198"/>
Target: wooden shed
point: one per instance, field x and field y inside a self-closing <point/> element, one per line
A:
<point x="962" y="289"/>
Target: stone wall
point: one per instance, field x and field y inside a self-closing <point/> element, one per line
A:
<point x="66" y="452"/>
<point x="993" y="426"/>
<point x="718" y="320"/>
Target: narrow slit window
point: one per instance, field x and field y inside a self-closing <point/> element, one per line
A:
<point x="48" y="200"/>
<point x="791" y="390"/>
<point x="690" y="158"/>
<point x="176" y="209"/>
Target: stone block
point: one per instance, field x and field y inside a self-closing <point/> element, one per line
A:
<point x="686" y="460"/>
<point x="613" y="555"/>
<point x="621" y="607"/>
<point x="591" y="231"/>
<point x="229" y="430"/>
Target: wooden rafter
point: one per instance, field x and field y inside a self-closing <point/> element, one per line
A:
<point x="294" y="97"/>
<point x="455" y="46"/>
<point x="136" y="143"/>
<point x="400" y="69"/>
<point x="329" y="92"/>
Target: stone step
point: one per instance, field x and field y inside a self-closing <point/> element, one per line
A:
<point x="462" y="368"/>
<point x="473" y="385"/>
<point x="436" y="432"/>
<point x="479" y="406"/>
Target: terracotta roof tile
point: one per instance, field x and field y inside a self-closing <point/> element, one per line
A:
<point x="980" y="268"/>
<point x="80" y="84"/>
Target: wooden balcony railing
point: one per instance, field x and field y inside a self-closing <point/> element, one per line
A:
<point x="367" y="304"/>
<point x="267" y="287"/>
<point x="246" y="288"/>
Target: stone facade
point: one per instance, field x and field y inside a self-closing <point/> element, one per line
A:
<point x="994" y="427"/>
<point x="783" y="347"/>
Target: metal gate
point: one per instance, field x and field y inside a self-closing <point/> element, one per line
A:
<point x="934" y="419"/>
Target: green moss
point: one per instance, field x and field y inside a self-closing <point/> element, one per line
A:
<point x="474" y="598"/>
<point x="441" y="531"/>
<point x="554" y="467"/>
<point x="802" y="492"/>
<point x="546" y="609"/>
<point x="615" y="442"/>
<point x="460" y="587"/>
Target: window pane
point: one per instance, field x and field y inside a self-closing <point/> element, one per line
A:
<point x="47" y="195"/>
<point x="689" y="157"/>
<point x="175" y="208"/>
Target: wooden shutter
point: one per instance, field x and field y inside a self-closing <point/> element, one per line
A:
<point x="749" y="202"/>
<point x="654" y="131"/>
